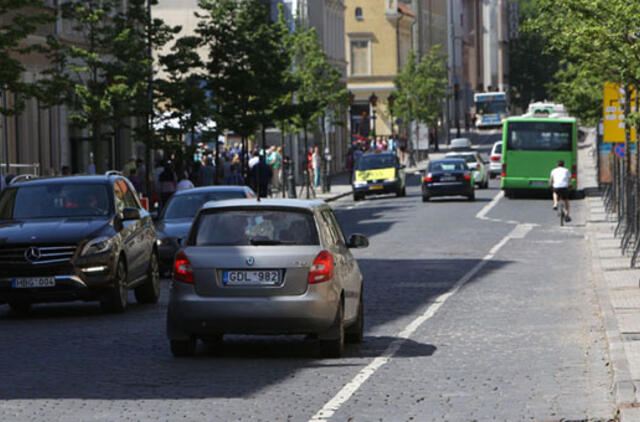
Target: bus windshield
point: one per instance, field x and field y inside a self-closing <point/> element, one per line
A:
<point x="491" y="107"/>
<point x="539" y="136"/>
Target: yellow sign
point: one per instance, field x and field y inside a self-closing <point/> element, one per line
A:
<point x="613" y="113"/>
<point x="375" y="174"/>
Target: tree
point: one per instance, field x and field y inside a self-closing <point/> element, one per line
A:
<point x="420" y="88"/>
<point x="532" y="69"/>
<point x="80" y="74"/>
<point x="319" y="84"/>
<point x="20" y="19"/>
<point x="135" y="31"/>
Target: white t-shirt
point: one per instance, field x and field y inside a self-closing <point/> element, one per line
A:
<point x="560" y="177"/>
<point x="184" y="184"/>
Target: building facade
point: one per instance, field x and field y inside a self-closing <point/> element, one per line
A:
<point x="40" y="139"/>
<point x="378" y="41"/>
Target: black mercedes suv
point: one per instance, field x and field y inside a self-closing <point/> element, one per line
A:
<point x="76" y="238"/>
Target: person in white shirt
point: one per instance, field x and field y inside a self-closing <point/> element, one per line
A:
<point x="559" y="183"/>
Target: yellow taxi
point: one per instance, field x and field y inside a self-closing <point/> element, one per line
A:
<point x="378" y="173"/>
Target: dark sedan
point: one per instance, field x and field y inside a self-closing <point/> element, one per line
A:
<point x="175" y="219"/>
<point x="448" y="177"/>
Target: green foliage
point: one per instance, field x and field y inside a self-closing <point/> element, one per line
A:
<point x="531" y="66"/>
<point x="420" y="88"/>
<point x="21" y="18"/>
<point x="319" y="83"/>
<point x="598" y="41"/>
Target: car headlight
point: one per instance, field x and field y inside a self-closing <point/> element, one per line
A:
<point x="359" y="183"/>
<point x="390" y="180"/>
<point x="97" y="245"/>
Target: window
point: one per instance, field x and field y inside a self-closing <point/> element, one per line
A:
<point x="359" y="13"/>
<point x="187" y="205"/>
<point x="241" y="227"/>
<point x="539" y="136"/>
<point x="375" y="161"/>
<point x="360" y="57"/>
<point x="55" y="201"/>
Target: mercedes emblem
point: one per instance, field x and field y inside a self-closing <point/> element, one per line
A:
<point x="32" y="254"/>
<point x="250" y="261"/>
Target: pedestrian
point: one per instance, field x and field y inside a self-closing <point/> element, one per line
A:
<point x="234" y="178"/>
<point x="131" y="164"/>
<point x="167" y="182"/>
<point x="316" y="159"/>
<point x="207" y="173"/>
<point x="135" y="180"/>
<point x="349" y="163"/>
<point x="254" y="159"/>
<point x="184" y="182"/>
<point x="260" y="176"/>
<point x="363" y="125"/>
<point x="310" y="165"/>
<point x="274" y="161"/>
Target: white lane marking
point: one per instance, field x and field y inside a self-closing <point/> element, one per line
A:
<point x="482" y="214"/>
<point x="332" y="406"/>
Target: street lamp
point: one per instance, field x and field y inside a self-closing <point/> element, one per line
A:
<point x="391" y="100"/>
<point x="373" y="100"/>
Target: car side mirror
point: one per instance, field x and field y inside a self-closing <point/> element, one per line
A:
<point x="130" y="213"/>
<point x="357" y="241"/>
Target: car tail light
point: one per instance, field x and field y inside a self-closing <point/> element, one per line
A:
<point x="428" y="177"/>
<point x="467" y="176"/>
<point x="495" y="158"/>
<point x="504" y="170"/>
<point x="574" y="172"/>
<point x="322" y="268"/>
<point x="182" y="270"/>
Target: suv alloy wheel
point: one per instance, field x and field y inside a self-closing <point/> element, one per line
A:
<point x="149" y="292"/>
<point x="115" y="300"/>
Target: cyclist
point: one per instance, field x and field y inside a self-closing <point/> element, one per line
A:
<point x="559" y="182"/>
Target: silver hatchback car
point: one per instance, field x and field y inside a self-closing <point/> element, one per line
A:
<point x="268" y="267"/>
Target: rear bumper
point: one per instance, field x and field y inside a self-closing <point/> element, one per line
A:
<point x="495" y="168"/>
<point x="166" y="254"/>
<point x="510" y="182"/>
<point x="378" y="188"/>
<point x="447" y="189"/>
<point x="190" y="314"/>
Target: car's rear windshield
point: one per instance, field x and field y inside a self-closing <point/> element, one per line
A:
<point x="447" y="166"/>
<point x="242" y="227"/>
<point x="187" y="205"/>
<point x="55" y="200"/>
<point x="373" y="161"/>
<point x="469" y="158"/>
<point x="539" y="136"/>
<point x="497" y="149"/>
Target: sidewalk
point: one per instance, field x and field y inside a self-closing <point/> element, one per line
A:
<point x="618" y="294"/>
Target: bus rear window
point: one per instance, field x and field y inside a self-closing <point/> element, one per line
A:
<point x="539" y="136"/>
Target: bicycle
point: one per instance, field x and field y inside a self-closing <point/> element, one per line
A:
<point x="562" y="213"/>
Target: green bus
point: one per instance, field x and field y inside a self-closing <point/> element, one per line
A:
<point x="531" y="148"/>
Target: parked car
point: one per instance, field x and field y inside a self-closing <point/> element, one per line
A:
<point x="448" y="177"/>
<point x="476" y="164"/>
<point x="378" y="173"/>
<point x="176" y="217"/>
<point x="460" y="144"/>
<point x="76" y="238"/>
<point x="495" y="160"/>
<point x="268" y="267"/>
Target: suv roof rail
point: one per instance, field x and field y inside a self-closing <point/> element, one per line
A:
<point x="22" y="178"/>
<point x="113" y="173"/>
